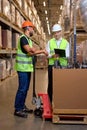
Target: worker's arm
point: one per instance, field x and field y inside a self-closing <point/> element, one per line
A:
<point x="33" y="51"/>
<point x="41" y="51"/>
<point x="29" y="50"/>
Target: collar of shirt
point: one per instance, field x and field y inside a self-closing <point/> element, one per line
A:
<point x="60" y="39"/>
<point x="58" y="42"/>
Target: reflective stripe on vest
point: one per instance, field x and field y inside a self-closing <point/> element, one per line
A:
<point x="24" y="62"/>
<point x="53" y="45"/>
<point x="22" y="55"/>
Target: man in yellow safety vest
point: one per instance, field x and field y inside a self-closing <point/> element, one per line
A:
<point x="24" y="67"/>
<point x="57" y="42"/>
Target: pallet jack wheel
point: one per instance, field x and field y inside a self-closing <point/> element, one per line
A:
<point x="38" y="112"/>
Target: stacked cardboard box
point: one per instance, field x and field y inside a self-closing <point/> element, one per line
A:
<point x="25" y="7"/>
<point x="13" y="71"/>
<point x="6" y="39"/>
<point x="76" y="12"/>
<point x="0" y="38"/>
<point x="18" y="19"/>
<point x="3" y="73"/>
<point x="0" y="5"/>
<point x="29" y="1"/>
<point x="15" y="37"/>
<point x="10" y="66"/>
<point x="30" y="13"/>
<point x="13" y="13"/>
<point x="6" y="9"/>
<point x="20" y="3"/>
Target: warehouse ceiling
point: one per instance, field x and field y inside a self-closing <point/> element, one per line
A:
<point x="49" y="12"/>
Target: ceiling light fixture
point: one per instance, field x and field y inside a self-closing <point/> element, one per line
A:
<point x="45" y="11"/>
<point x="47" y="22"/>
<point x="46" y="18"/>
<point x="59" y="22"/>
<point x="61" y="7"/>
<point x="48" y="29"/>
<point x="44" y="3"/>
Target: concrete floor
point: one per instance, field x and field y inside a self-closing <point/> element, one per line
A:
<point x="8" y="121"/>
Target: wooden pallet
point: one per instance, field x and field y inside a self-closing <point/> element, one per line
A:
<point x="14" y="49"/>
<point x="6" y="48"/>
<point x="69" y="119"/>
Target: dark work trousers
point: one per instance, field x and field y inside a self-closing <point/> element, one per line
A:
<point x="24" y="83"/>
<point x="50" y="82"/>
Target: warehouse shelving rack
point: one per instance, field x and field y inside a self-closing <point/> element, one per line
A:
<point x="6" y="23"/>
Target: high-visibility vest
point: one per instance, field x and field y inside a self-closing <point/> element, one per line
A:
<point x="24" y="62"/>
<point x="53" y="45"/>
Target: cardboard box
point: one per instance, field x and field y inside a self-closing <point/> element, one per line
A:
<point x="0" y="37"/>
<point x="25" y="7"/>
<point x="15" y="37"/>
<point x="20" y="2"/>
<point x="0" y="6"/>
<point x="2" y="69"/>
<point x="6" y="39"/>
<point x="10" y="66"/>
<point x="69" y="91"/>
<point x="18" y="19"/>
<point x="30" y="1"/>
<point x="6" y="9"/>
<point x="30" y="13"/>
<point x="12" y="13"/>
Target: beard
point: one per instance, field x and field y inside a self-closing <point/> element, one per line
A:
<point x="31" y="34"/>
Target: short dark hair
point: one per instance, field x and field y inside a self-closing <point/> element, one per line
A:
<point x="25" y="28"/>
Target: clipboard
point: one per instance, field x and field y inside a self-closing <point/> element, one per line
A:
<point x="60" y="52"/>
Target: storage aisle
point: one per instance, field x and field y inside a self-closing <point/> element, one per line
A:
<point x="10" y="122"/>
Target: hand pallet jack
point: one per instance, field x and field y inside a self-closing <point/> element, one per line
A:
<point x="43" y="106"/>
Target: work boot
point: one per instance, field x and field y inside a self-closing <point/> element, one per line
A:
<point x="27" y="110"/>
<point x="20" y="114"/>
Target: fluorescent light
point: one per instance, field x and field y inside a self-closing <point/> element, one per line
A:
<point x="46" y="18"/>
<point x="44" y="3"/>
<point x="59" y="22"/>
<point x="61" y="7"/>
<point x="47" y="22"/>
<point x="48" y="28"/>
<point x="45" y="11"/>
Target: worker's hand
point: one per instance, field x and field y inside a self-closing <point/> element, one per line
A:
<point x="55" y="56"/>
<point x="32" y="50"/>
<point x="45" y="52"/>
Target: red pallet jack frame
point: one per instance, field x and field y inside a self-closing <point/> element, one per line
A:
<point x="47" y="109"/>
<point x="42" y="102"/>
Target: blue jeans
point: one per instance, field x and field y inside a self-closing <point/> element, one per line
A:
<point x="24" y="82"/>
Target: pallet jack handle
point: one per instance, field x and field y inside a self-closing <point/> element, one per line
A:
<point x="34" y="92"/>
